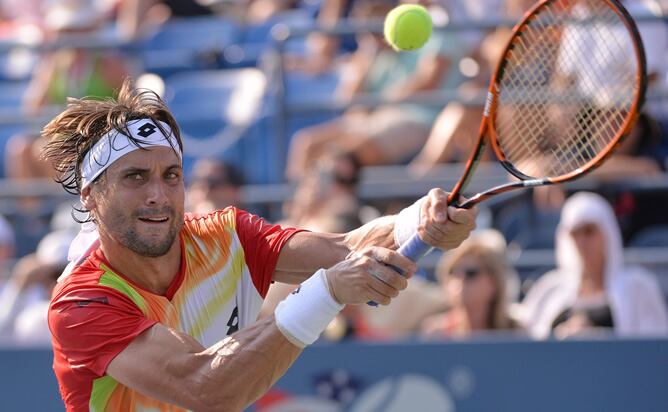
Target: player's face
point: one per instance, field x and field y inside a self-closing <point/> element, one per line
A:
<point x="140" y="201"/>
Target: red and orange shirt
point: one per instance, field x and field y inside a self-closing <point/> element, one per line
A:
<point x="227" y="263"/>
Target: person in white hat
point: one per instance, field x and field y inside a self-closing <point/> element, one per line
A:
<point x="592" y="289"/>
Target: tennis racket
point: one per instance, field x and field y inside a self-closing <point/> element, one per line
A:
<point x="565" y="92"/>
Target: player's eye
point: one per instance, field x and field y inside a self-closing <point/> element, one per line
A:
<point x="173" y="175"/>
<point x="134" y="176"/>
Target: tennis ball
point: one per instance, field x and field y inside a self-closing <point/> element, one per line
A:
<point x="407" y="27"/>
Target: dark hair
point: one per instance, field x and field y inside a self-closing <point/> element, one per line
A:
<point x="72" y="133"/>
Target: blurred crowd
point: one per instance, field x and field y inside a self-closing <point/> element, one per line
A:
<point x="389" y="110"/>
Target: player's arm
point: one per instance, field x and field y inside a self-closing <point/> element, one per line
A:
<point x="173" y="367"/>
<point x="231" y="374"/>
<point x="439" y="225"/>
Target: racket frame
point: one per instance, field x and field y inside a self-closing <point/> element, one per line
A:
<point x="488" y="131"/>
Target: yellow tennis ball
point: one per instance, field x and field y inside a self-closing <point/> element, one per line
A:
<point x="407" y="27"/>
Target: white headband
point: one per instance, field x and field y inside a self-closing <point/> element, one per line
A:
<point x="114" y="145"/>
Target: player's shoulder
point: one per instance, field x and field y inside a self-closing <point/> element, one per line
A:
<point x="82" y="276"/>
<point x="94" y="288"/>
<point x="91" y="280"/>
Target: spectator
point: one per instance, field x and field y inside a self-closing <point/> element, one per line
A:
<point x="25" y="299"/>
<point x="322" y="49"/>
<point x="7" y="253"/>
<point x="7" y="246"/>
<point x="63" y="73"/>
<point x="138" y="18"/>
<point x="378" y="136"/>
<point x="326" y="199"/>
<point x="592" y="287"/>
<point x="262" y="11"/>
<point x="479" y="284"/>
<point x="17" y="15"/>
<point x="214" y="185"/>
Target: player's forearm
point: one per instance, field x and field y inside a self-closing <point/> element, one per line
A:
<point x="307" y="252"/>
<point x="378" y="232"/>
<point x="241" y="368"/>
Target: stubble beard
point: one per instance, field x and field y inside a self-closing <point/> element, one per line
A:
<point x="144" y="245"/>
<point x="159" y="247"/>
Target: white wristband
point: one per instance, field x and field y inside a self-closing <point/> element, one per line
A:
<point x="307" y="311"/>
<point x="407" y="222"/>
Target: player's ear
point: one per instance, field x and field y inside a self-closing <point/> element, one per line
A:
<point x="87" y="199"/>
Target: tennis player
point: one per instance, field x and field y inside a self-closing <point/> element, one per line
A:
<point x="157" y="309"/>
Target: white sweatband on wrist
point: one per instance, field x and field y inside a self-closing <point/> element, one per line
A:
<point x="307" y="311"/>
<point x="407" y="222"/>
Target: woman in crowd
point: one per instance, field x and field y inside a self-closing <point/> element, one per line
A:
<point x="479" y="284"/>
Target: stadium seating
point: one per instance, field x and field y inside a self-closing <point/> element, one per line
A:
<point x="653" y="236"/>
<point x="186" y="44"/>
<point x="221" y="113"/>
<point x="255" y="39"/>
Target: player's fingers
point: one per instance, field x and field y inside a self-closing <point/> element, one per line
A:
<point x="436" y="237"/>
<point x="437" y="205"/>
<point x="393" y="258"/>
<point x="374" y="282"/>
<point x="436" y="231"/>
<point x="375" y="296"/>
<point x="462" y="216"/>
<point x="390" y="277"/>
<point x="378" y="291"/>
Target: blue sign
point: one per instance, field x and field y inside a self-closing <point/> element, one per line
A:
<point x="595" y="375"/>
<point x="476" y="376"/>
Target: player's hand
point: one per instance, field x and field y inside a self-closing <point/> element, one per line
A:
<point x="364" y="276"/>
<point x="443" y="226"/>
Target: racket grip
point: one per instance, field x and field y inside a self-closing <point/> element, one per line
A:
<point x="414" y="249"/>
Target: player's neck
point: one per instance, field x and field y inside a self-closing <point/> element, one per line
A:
<point x="152" y="274"/>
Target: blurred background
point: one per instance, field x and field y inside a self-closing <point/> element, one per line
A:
<point x="298" y="111"/>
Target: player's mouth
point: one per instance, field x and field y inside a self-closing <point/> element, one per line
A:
<point x="154" y="219"/>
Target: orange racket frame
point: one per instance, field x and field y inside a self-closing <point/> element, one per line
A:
<point x="487" y="125"/>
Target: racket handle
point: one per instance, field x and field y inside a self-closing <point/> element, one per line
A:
<point x="414" y="249"/>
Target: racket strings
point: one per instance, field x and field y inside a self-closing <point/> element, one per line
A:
<point x="584" y="149"/>
<point x="566" y="88"/>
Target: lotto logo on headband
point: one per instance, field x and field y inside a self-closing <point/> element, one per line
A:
<point x="146" y="129"/>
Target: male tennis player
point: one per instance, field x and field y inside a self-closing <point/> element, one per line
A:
<point x="157" y="309"/>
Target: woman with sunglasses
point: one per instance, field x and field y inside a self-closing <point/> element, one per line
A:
<point x="479" y="284"/>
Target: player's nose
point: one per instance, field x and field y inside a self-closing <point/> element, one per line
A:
<point x="156" y="192"/>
